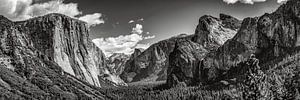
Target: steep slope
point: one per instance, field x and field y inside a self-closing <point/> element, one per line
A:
<point x="116" y="62"/>
<point x="270" y="36"/>
<point x="150" y="65"/>
<point x="212" y="32"/>
<point x="153" y="63"/>
<point x="127" y="74"/>
<point x="27" y="74"/>
<point x="66" y="41"/>
<point x="183" y="59"/>
<point x="186" y="57"/>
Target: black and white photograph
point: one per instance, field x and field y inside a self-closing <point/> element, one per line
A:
<point x="149" y="49"/>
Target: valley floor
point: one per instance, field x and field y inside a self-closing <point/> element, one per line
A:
<point x="281" y="81"/>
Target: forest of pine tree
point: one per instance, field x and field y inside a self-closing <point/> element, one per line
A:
<point x="249" y="80"/>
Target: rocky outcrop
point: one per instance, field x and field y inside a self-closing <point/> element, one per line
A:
<point x="269" y="37"/>
<point x="185" y="60"/>
<point x="34" y="75"/>
<point x="153" y="63"/>
<point x="128" y="73"/>
<point x="234" y="50"/>
<point x="66" y="41"/>
<point x="212" y="32"/>
<point x="116" y="62"/>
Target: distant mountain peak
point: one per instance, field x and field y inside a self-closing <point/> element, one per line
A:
<point x="212" y="32"/>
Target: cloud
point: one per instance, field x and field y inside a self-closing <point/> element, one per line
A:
<point x="123" y="43"/>
<point x="250" y="1"/>
<point x="57" y="6"/>
<point x="138" y="20"/>
<point x="281" y="1"/>
<point x="149" y="37"/>
<point x="131" y="21"/>
<point x="142" y="19"/>
<point x="13" y="8"/>
<point x="18" y="10"/>
<point x="243" y="1"/>
<point x="138" y="29"/>
<point x="92" y="19"/>
<point x="143" y="46"/>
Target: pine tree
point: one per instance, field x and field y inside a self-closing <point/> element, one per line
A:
<point x="254" y="79"/>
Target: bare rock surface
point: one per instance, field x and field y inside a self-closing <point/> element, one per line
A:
<point x="66" y="41"/>
<point x="152" y="64"/>
<point x="270" y="36"/>
<point x="35" y="74"/>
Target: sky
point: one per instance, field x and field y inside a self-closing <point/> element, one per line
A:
<point x="120" y="26"/>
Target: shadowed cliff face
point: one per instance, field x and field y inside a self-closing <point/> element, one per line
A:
<point x="152" y="64"/>
<point x="268" y="37"/>
<point x="65" y="41"/>
<point x="116" y="62"/>
<point x="34" y="75"/>
<point x="184" y="62"/>
<point x="186" y="57"/>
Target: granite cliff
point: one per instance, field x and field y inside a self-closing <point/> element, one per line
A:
<point x="116" y="62"/>
<point x="152" y="64"/>
<point x="269" y="37"/>
<point x="66" y="41"/>
<point x="185" y="59"/>
<point x="31" y="71"/>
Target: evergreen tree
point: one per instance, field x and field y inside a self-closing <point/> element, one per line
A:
<point x="253" y="80"/>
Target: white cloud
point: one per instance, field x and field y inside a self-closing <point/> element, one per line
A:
<point x="18" y="10"/>
<point x="138" y="20"/>
<point x="142" y="19"/>
<point x="131" y="21"/>
<point x="57" y="6"/>
<point x="230" y="1"/>
<point x="138" y="29"/>
<point x="92" y="19"/>
<point x="14" y="8"/>
<point x="281" y="1"/>
<point x="243" y="1"/>
<point x="143" y="46"/>
<point x="149" y="37"/>
<point x="123" y="43"/>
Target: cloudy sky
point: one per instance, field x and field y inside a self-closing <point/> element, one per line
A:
<point x="122" y="25"/>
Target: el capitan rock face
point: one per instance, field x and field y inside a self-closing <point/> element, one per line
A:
<point x="31" y="74"/>
<point x="66" y="41"/>
<point x="269" y="36"/>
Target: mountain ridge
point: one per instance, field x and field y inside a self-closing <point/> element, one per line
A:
<point x="66" y="41"/>
<point x="152" y="64"/>
<point x="27" y="73"/>
<point x="268" y="37"/>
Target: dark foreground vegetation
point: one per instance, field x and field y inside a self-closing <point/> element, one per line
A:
<point x="248" y="80"/>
